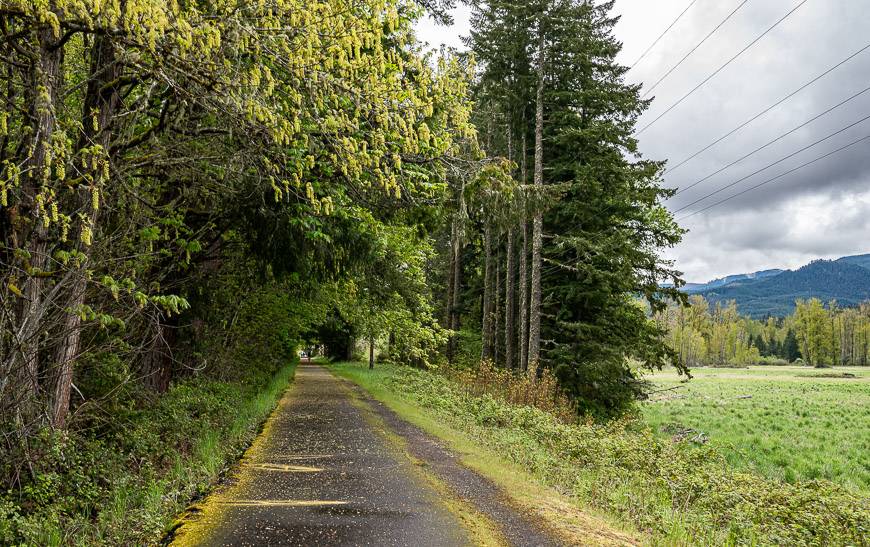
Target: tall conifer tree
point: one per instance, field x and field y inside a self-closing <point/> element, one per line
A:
<point x="599" y="243"/>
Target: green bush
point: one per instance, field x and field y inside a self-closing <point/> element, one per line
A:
<point x="679" y="492"/>
<point x="773" y="361"/>
<point x="124" y="485"/>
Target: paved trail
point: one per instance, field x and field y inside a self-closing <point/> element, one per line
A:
<point x="326" y="472"/>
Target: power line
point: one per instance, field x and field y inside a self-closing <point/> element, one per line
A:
<point x="721" y="68"/>
<point x="777" y="162"/>
<point x="656" y="41"/>
<point x="691" y="51"/>
<point x="768" y="181"/>
<point x="768" y="109"/>
<point x="777" y="139"/>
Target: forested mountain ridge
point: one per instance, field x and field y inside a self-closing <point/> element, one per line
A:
<point x="730" y="279"/>
<point x="841" y="280"/>
<point x="858" y="260"/>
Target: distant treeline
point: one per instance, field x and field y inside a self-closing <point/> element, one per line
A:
<point x="821" y="335"/>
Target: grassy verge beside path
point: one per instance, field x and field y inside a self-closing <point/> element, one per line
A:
<point x="583" y="526"/>
<point x="127" y="486"/>
<point x="675" y="493"/>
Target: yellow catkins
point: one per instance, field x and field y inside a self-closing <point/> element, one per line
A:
<point x="64" y="228"/>
<point x="60" y="169"/>
<point x="338" y="87"/>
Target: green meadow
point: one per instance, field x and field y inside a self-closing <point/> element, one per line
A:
<point x="789" y="423"/>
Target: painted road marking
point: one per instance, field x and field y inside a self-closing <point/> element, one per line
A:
<point x="286" y="468"/>
<point x="303" y="456"/>
<point x="281" y="503"/>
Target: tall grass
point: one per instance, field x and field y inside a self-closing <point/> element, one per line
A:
<point x="523" y="388"/>
<point x="779" y="422"/>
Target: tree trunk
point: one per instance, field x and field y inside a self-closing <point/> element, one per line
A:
<point x="454" y="289"/>
<point x="371" y="352"/>
<point x="509" y="304"/>
<point x="448" y="301"/>
<point x="457" y="290"/>
<point x="101" y="97"/>
<point x="524" y="276"/>
<point x="157" y="364"/>
<point x="350" y="349"/>
<point x="44" y="84"/>
<point x="537" y="226"/>
<point x="486" y="331"/>
<point x="496" y="312"/>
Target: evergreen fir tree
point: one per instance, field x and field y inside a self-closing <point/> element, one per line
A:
<point x="603" y="235"/>
<point x="790" y="350"/>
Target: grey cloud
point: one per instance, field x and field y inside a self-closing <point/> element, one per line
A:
<point x="822" y="211"/>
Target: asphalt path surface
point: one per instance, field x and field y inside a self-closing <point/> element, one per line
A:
<point x="325" y="471"/>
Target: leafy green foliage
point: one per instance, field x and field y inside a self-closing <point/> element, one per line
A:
<point x="125" y="486"/>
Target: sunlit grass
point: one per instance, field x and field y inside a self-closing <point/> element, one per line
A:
<point x="783" y="422"/>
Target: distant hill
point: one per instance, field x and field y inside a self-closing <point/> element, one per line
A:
<point x="773" y="292"/>
<point x="858" y="260"/>
<point x="728" y="280"/>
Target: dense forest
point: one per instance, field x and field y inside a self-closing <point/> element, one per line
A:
<point x="191" y="191"/>
<point x="705" y="333"/>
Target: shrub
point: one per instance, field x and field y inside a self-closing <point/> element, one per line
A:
<point x="675" y="490"/>
<point x="522" y="388"/>
<point x="773" y="361"/>
<point x="121" y="484"/>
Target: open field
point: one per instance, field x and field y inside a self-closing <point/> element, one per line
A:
<point x="786" y="423"/>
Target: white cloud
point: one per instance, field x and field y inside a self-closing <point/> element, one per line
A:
<point x="435" y="35"/>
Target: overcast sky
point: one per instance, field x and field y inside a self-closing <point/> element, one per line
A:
<point x="819" y="211"/>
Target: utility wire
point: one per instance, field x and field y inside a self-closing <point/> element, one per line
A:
<point x="656" y="41"/>
<point x="777" y="162"/>
<point x="768" y="181"/>
<point x="721" y="68"/>
<point x="777" y="139"/>
<point x="752" y="119"/>
<point x="691" y="51"/>
<point x="768" y="109"/>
